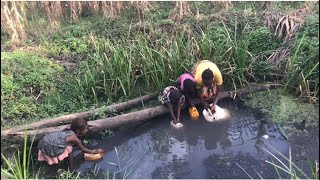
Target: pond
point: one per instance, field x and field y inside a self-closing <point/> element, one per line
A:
<point x="231" y="148"/>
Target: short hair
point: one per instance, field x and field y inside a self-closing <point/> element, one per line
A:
<point x="207" y="74"/>
<point x="188" y="84"/>
<point x="78" y="124"/>
<point x="175" y="96"/>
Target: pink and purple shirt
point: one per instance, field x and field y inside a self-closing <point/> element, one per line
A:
<point x="183" y="77"/>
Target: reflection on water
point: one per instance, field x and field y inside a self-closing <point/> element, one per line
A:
<point x="199" y="149"/>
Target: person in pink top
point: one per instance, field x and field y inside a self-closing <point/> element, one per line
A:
<point x="186" y="84"/>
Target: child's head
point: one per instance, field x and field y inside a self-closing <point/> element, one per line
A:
<point x="79" y="126"/>
<point x="189" y="86"/>
<point x="207" y="77"/>
<point x="175" y="96"/>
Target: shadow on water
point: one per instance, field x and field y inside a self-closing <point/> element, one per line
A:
<point x="198" y="150"/>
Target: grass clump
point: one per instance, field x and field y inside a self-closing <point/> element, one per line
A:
<point x="26" y="79"/>
<point x="284" y="109"/>
<point x="20" y="165"/>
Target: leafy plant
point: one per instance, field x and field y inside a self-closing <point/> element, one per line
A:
<point x="291" y="169"/>
<point x="63" y="174"/>
<point x="19" y="168"/>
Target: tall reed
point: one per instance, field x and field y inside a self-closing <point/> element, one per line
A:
<point x="20" y="168"/>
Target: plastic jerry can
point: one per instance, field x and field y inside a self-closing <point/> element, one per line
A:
<point x="193" y="112"/>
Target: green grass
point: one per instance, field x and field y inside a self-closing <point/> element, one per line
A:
<point x="117" y="59"/>
<point x="33" y="87"/>
<point x="67" y="174"/>
<point x="284" y="164"/>
<point x="19" y="168"/>
<point x="284" y="109"/>
<point x="26" y="79"/>
<point x="303" y="66"/>
<point x="287" y="165"/>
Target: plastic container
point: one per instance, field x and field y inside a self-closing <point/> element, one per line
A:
<point x="92" y="157"/>
<point x="208" y="115"/>
<point x="178" y="125"/>
<point x="193" y="112"/>
<point x="219" y="114"/>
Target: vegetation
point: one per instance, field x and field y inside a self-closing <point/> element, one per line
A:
<point x="63" y="57"/>
<point x="284" y="109"/>
<point x="291" y="169"/>
<point x="74" y="56"/>
<point x="19" y="166"/>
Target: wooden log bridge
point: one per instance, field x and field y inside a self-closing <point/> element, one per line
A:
<point x="38" y="129"/>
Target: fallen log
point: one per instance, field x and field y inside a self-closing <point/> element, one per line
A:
<point x="100" y="124"/>
<point x="69" y="117"/>
<point x="138" y="116"/>
<point x="249" y="89"/>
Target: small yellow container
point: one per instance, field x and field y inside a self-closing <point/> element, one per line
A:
<point x="193" y="112"/>
<point x="92" y="157"/>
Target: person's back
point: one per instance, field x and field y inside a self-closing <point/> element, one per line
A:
<point x="172" y="98"/>
<point x="208" y="82"/>
<point x="186" y="84"/>
<point x="200" y="67"/>
<point x="56" y="146"/>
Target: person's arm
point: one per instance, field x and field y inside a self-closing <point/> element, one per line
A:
<point x="74" y="139"/>
<point x="171" y="113"/>
<point x="188" y="98"/>
<point x="216" y="98"/>
<point x="181" y="102"/>
<point x="70" y="157"/>
<point x="204" y="104"/>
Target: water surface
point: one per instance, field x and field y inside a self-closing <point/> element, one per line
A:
<point x="230" y="148"/>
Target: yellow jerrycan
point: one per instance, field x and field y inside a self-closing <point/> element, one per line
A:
<point x="193" y="112"/>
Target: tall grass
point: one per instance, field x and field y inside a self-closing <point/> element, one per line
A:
<point x="116" y="68"/>
<point x="303" y="70"/>
<point x="287" y="165"/>
<point x="17" y="169"/>
<point x="119" y="63"/>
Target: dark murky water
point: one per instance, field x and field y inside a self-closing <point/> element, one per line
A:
<point x="200" y="149"/>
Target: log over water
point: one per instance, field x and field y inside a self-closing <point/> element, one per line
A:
<point x="116" y="121"/>
<point x="69" y="117"/>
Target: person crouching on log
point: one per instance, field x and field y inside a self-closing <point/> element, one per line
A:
<point x="56" y="146"/>
<point x="208" y="83"/>
<point x="173" y="99"/>
<point x="187" y="85"/>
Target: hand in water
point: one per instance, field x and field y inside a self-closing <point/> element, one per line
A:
<point x="206" y="106"/>
<point x="176" y="125"/>
<point x="212" y="108"/>
<point x="98" y="151"/>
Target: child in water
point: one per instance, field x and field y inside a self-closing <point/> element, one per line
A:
<point x="173" y="99"/>
<point x="56" y="146"/>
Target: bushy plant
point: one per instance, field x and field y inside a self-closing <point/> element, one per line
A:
<point x="260" y="40"/>
<point x="25" y="79"/>
<point x="70" y="41"/>
<point x="303" y="66"/>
